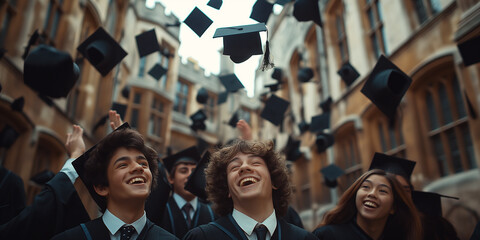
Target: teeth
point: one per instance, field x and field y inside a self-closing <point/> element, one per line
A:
<point x="247" y="181"/>
<point x="370" y="204"/>
<point x="136" y="180"/>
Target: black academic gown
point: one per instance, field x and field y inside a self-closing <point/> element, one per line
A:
<point x="348" y="230"/>
<point x="55" y="209"/>
<point x="96" y="229"/>
<point x="292" y="217"/>
<point x="227" y="228"/>
<point x="174" y="222"/>
<point x="12" y="195"/>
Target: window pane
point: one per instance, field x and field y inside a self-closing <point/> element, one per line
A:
<point x="158" y="127"/>
<point x="134" y="118"/>
<point x="436" y="7"/>
<point x="455" y="152"/>
<point x="379" y="12"/>
<point x="384" y="40"/>
<point x="440" y="155"/>
<point x="446" y="112"/>
<point x="185" y="90"/>
<point x="371" y="19"/>
<point x="432" y="115"/>
<point x="141" y="67"/>
<point x="467" y="140"/>
<point x="420" y="10"/>
<point x="183" y="105"/>
<point x="382" y="137"/>
<point x="375" y="46"/>
<point x="458" y="99"/>
<point x="137" y="98"/>
<point x="151" y="125"/>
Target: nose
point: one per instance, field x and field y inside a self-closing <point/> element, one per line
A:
<point x="137" y="167"/>
<point x="245" y="167"/>
<point x="372" y="193"/>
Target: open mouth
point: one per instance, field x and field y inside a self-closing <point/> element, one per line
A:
<point x="247" y="181"/>
<point x="370" y="204"/>
<point x="137" y="180"/>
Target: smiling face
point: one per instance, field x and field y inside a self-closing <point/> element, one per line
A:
<point x="180" y="178"/>
<point x="249" y="179"/>
<point x="129" y="177"/>
<point x="374" y="199"/>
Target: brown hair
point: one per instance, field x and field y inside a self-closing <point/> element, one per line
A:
<point x="403" y="224"/>
<point x="216" y="175"/>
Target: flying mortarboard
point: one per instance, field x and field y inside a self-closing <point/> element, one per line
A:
<point x="222" y="97"/>
<point x="102" y="51"/>
<point x="233" y="120"/>
<point x="33" y="39"/>
<point x="273" y="86"/>
<point x="50" y="72"/>
<point x="17" y="104"/>
<point x="196" y="181"/>
<point x="283" y="2"/>
<point x="157" y="71"/>
<point x="470" y="51"/>
<point x="42" y="177"/>
<point x="331" y="173"/>
<point x="348" y="73"/>
<point x="303" y="127"/>
<point x="120" y="108"/>
<point x="320" y="122"/>
<point x="392" y="164"/>
<point x="277" y="74"/>
<point x="429" y="203"/>
<point x="307" y="10"/>
<point x="326" y="105"/>
<point x="323" y="141"/>
<point x="217" y="4"/>
<point x="202" y="95"/>
<point x="147" y="43"/>
<point x="231" y="82"/>
<point x="2" y="52"/>
<point x="386" y="86"/>
<point x="292" y="149"/>
<point x="274" y="110"/>
<point x="186" y="155"/>
<point x="126" y="91"/>
<point x="305" y="74"/>
<point x="8" y="135"/>
<point x="198" y="119"/>
<point x="261" y="11"/>
<point x="198" y="21"/>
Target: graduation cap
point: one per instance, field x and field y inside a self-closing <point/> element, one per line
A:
<point x="386" y="86"/>
<point x="8" y="135"/>
<point x="303" y="126"/>
<point x="233" y="120"/>
<point x="186" y="155"/>
<point x="323" y="141"/>
<point x="274" y="109"/>
<point x="17" y="104"/>
<point x="320" y="122"/>
<point x="261" y="11"/>
<point x="348" y="73"/>
<point x="158" y="198"/>
<point x="120" y="108"/>
<point x="217" y="4"/>
<point x="305" y="74"/>
<point x="330" y="174"/>
<point x="196" y="183"/>
<point x="202" y="145"/>
<point x="198" y="21"/>
<point x="392" y="164"/>
<point x="231" y="82"/>
<point x="283" y="2"/>
<point x="470" y="51"/>
<point x="50" y="72"/>
<point x="273" y="87"/>
<point x="147" y="43"/>
<point x="326" y="105"/>
<point x="241" y="42"/>
<point x="277" y="74"/>
<point x="126" y="91"/>
<point x="157" y="71"/>
<point x="292" y="149"/>
<point x="102" y="51"/>
<point x="222" y="97"/>
<point x="42" y="177"/>
<point x="307" y="10"/>
<point x="202" y="95"/>
<point x="2" y="52"/>
<point x="429" y="203"/>
<point x="470" y="107"/>
<point x="198" y="119"/>
<point x="79" y="165"/>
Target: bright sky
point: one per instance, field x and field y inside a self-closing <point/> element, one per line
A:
<point x="205" y="49"/>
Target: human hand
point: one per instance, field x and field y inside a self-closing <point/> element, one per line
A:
<point x="115" y="119"/>
<point x="75" y="145"/>
<point x="244" y="129"/>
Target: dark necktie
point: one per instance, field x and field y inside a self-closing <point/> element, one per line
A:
<point x="186" y="209"/>
<point x="126" y="232"/>
<point x="261" y="232"/>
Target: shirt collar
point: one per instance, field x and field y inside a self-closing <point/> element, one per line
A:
<point x="247" y="224"/>
<point x="113" y="223"/>
<point x="180" y="201"/>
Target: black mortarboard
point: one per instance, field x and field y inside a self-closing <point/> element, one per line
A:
<point x="429" y="203"/>
<point x="274" y="110"/>
<point x="126" y="91"/>
<point x="470" y="107"/>
<point x="217" y="4"/>
<point x="392" y="164"/>
<point x="303" y="126"/>
<point x="222" y="97"/>
<point x="470" y="51"/>
<point x="261" y="11"/>
<point x="8" y="135"/>
<point x="273" y="86"/>
<point x="320" y="122"/>
<point x="42" y="177"/>
<point x="102" y="51"/>
<point x="305" y="74"/>
<point x="323" y="141"/>
<point x="2" y="52"/>
<point x="157" y="71"/>
<point x="331" y="173"/>
<point x="198" y="21"/>
<point x="158" y="198"/>
<point x="233" y="120"/>
<point x="292" y="149"/>
<point x="202" y="145"/>
<point x="50" y="72"/>
<point x="17" y="104"/>
<point x="120" y="108"/>
<point x="326" y="105"/>
<point x="386" y="86"/>
<point x="202" y="95"/>
<point x="186" y="155"/>
<point x="147" y="43"/>
<point x="348" y="73"/>
<point x="79" y="165"/>
<point x="307" y="10"/>
<point x="196" y="181"/>
<point x="198" y="119"/>
<point x="277" y="74"/>
<point x="283" y="2"/>
<point x="241" y="42"/>
<point x="231" y="82"/>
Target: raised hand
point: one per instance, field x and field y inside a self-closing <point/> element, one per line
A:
<point x="244" y="129"/>
<point x="115" y="119"/>
<point x="75" y="145"/>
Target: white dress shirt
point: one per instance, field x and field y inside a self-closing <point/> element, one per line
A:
<point x="114" y="224"/>
<point x="180" y="202"/>
<point x="247" y="224"/>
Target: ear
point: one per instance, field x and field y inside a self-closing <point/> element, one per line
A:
<point x="392" y="211"/>
<point x="170" y="180"/>
<point x="101" y="190"/>
<point x="274" y="188"/>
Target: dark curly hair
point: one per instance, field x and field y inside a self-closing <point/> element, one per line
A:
<point x="97" y="164"/>
<point x="216" y="175"/>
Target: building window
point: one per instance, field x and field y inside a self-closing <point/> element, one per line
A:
<point x="181" y="98"/>
<point x="52" y="20"/>
<point x="137" y="100"/>
<point x="141" y="67"/>
<point x="447" y="125"/>
<point x="348" y="159"/>
<point x="426" y="9"/>
<point x="391" y="138"/>
<point x="164" y="61"/>
<point x="210" y="107"/>
<point x="376" y="30"/>
<point x="244" y="114"/>
<point x="7" y="12"/>
<point x="157" y="116"/>
<point x="337" y="13"/>
<point x="111" y="17"/>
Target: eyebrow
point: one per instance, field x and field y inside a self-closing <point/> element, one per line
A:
<point x="382" y="184"/>
<point x="125" y="158"/>
<point x="248" y="156"/>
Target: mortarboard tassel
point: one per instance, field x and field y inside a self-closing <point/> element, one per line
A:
<point x="33" y="39"/>
<point x="267" y="62"/>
